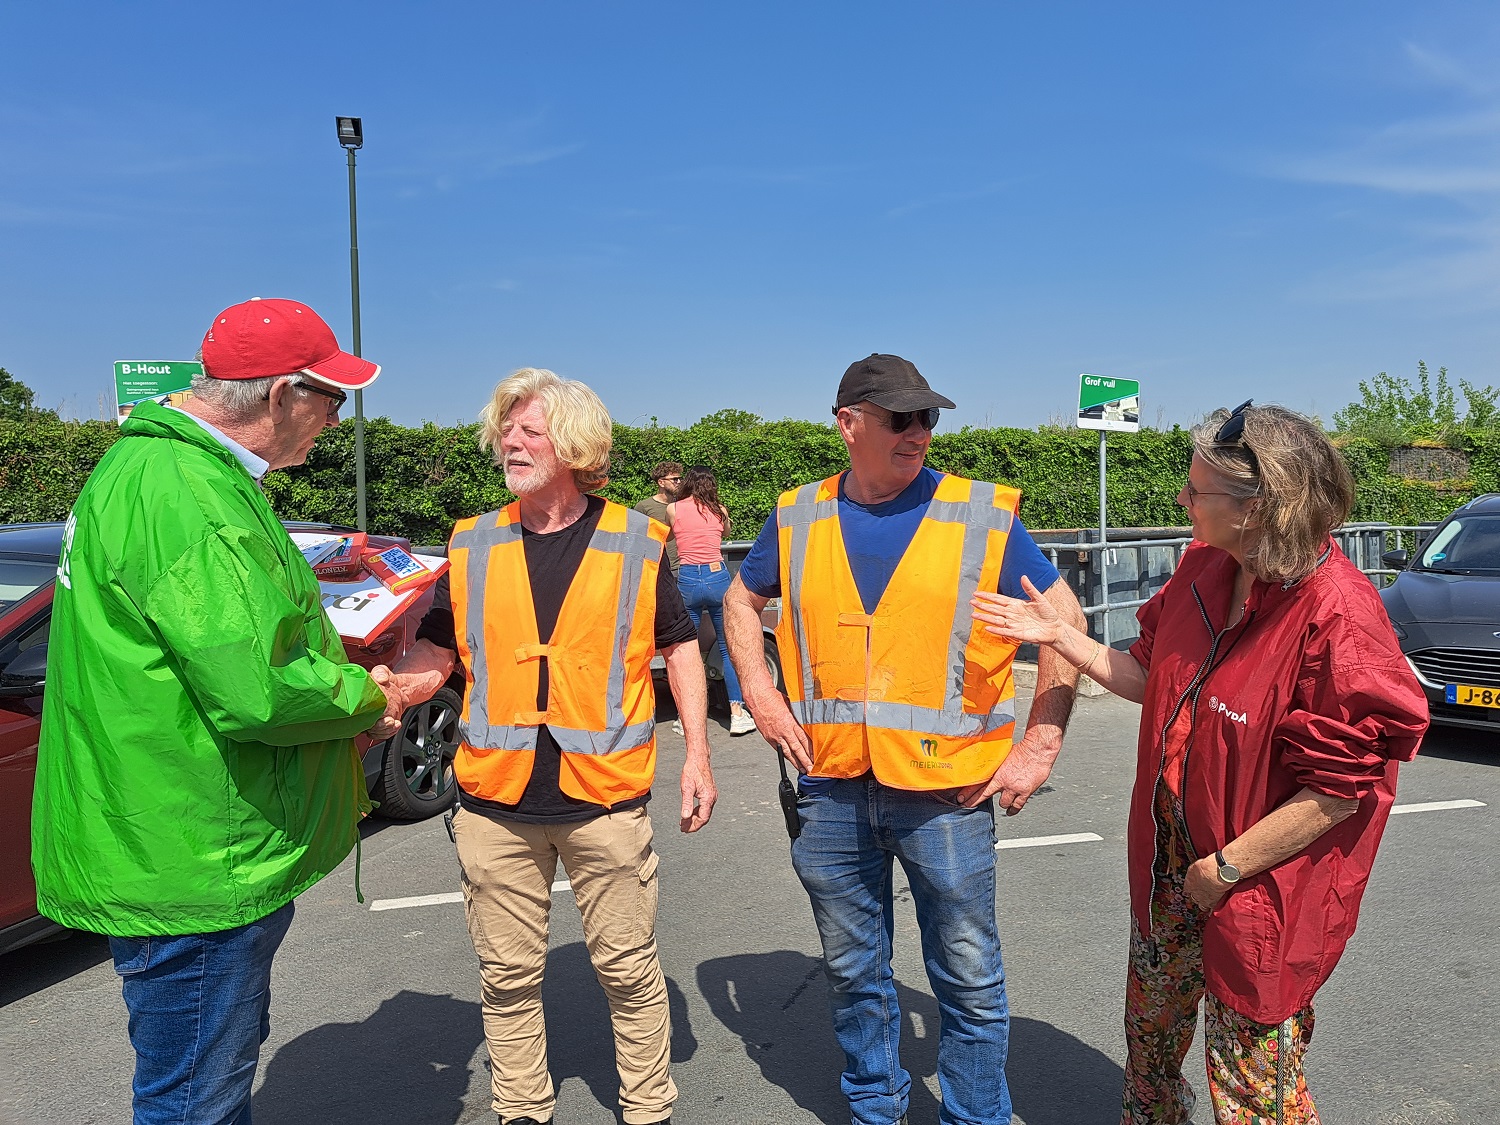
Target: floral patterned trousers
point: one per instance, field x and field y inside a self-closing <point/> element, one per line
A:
<point x="1254" y="1070"/>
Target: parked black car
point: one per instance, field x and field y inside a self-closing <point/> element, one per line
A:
<point x="1445" y="606"/>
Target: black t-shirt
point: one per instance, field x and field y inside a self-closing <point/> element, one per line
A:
<point x="552" y="560"/>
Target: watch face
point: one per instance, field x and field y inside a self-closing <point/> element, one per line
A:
<point x="1229" y="873"/>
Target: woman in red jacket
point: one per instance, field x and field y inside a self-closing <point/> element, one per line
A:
<point x="1276" y="706"/>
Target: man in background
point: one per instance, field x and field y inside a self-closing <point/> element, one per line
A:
<point x="196" y="770"/>
<point x="668" y="476"/>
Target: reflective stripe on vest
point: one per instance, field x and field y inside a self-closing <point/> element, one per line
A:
<point x="979" y="516"/>
<point x="638" y="548"/>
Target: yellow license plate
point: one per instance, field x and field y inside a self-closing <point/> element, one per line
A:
<point x="1472" y="695"/>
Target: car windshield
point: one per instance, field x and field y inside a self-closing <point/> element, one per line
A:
<point x="21" y="577"/>
<point x="1466" y="544"/>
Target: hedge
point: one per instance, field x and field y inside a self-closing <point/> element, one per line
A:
<point x="422" y="479"/>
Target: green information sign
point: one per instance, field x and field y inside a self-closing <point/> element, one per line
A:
<point x="161" y="380"/>
<point x="1109" y="404"/>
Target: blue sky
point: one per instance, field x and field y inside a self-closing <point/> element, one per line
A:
<point x="695" y="206"/>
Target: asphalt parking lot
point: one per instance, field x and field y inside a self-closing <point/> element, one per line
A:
<point x="376" y="1017"/>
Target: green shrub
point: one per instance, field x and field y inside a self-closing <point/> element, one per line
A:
<point x="422" y="479"/>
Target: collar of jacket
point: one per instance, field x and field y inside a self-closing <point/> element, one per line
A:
<point x="153" y="421"/>
<point x="1216" y="585"/>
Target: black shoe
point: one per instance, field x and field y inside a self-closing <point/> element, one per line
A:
<point x="525" y="1121"/>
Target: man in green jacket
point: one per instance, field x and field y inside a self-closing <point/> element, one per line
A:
<point x="196" y="770"/>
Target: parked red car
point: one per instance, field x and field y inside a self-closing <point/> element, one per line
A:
<point x="410" y="775"/>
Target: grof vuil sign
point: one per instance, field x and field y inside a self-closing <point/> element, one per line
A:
<point x="1109" y="404"/>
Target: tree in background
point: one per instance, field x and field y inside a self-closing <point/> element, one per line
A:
<point x="17" y="400"/>
<point x="1393" y="412"/>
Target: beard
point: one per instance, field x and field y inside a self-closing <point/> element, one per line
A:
<point x="536" y="479"/>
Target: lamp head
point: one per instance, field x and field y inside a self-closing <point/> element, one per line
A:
<point x="351" y="132"/>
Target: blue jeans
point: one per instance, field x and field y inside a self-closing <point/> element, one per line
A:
<point x="852" y="831"/>
<point x="703" y="592"/>
<point x="200" y="1007"/>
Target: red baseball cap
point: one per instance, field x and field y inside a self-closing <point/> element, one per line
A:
<point x="270" y="336"/>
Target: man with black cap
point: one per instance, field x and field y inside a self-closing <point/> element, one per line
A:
<point x="196" y="771"/>
<point x="900" y="718"/>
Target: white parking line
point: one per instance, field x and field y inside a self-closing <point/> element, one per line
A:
<point x="1437" y="806"/>
<point x="1043" y="841"/>
<point x="416" y="900"/>
<point x="439" y="900"/>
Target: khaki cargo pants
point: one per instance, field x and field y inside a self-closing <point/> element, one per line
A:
<point x="508" y="870"/>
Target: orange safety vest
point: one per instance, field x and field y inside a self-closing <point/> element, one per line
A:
<point x="916" y="691"/>
<point x="601" y="706"/>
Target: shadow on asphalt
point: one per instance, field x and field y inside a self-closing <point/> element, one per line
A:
<point x="375" y="824"/>
<point x="36" y="967"/>
<point x="409" y="1063"/>
<point x="1460" y="744"/>
<point x="1056" y="1079"/>
<point x="777" y="1003"/>
<point x="580" y="1043"/>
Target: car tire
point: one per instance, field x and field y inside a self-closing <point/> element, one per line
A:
<point x="773" y="662"/>
<point x="417" y="779"/>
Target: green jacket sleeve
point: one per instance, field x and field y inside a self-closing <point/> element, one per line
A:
<point x="242" y="648"/>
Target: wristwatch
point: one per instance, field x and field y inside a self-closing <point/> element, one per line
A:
<point x="1228" y="872"/>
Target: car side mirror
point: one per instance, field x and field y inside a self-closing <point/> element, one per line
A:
<point x="26" y="674"/>
<point x="1394" y="560"/>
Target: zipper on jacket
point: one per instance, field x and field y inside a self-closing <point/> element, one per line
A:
<point x="1187" y="750"/>
<point x="1194" y="689"/>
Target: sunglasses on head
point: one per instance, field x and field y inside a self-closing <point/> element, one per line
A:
<point x="1232" y="432"/>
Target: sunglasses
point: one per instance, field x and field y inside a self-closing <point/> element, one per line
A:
<point x="901" y="420"/>
<point x="1232" y="432"/>
<point x="339" y="397"/>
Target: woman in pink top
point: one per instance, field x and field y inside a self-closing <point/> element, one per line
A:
<point x="699" y="522"/>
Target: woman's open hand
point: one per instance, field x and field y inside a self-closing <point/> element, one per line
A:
<point x="1032" y="621"/>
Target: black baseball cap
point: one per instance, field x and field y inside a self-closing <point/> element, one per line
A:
<point x="888" y="381"/>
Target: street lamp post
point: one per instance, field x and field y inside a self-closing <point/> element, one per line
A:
<point x="351" y="137"/>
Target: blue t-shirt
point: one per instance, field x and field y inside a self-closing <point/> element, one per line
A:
<point x="875" y="538"/>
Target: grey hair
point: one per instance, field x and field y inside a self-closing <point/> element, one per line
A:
<point x="239" y="398"/>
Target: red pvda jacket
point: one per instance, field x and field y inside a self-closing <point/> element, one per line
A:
<point x="1309" y="689"/>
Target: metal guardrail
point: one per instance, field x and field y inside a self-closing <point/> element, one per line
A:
<point x="1156" y="558"/>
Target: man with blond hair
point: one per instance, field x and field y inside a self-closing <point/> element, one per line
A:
<point x="554" y="607"/>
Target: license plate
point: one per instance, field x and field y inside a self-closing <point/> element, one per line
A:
<point x="1472" y="695"/>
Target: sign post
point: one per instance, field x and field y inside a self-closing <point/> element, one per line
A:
<point x="1106" y="404"/>
<point x="164" y="381"/>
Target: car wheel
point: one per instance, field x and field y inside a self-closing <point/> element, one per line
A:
<point x="417" y="780"/>
<point x="773" y="661"/>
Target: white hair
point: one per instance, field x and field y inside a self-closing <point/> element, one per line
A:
<point x="239" y="399"/>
